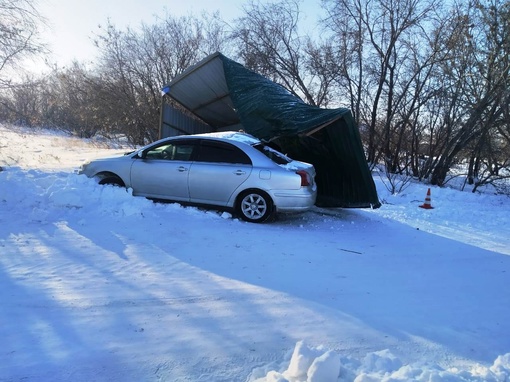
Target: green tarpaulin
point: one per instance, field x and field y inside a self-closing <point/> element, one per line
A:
<point x="327" y="138"/>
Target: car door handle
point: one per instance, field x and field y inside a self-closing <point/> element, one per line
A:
<point x="240" y="172"/>
<point x="182" y="169"/>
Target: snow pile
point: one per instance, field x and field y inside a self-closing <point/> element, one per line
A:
<point x="37" y="193"/>
<point x="309" y="364"/>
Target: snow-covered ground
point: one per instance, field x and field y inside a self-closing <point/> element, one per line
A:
<point x="98" y="285"/>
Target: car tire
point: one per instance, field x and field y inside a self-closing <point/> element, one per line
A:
<point x="254" y="206"/>
<point x="112" y="180"/>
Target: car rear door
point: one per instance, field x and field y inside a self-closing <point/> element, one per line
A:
<point x="218" y="170"/>
<point x="163" y="171"/>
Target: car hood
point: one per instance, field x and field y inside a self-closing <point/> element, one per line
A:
<point x="129" y="154"/>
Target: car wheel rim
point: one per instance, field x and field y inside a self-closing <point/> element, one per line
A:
<point x="254" y="206"/>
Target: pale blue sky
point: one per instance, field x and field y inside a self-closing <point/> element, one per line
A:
<point x="73" y="23"/>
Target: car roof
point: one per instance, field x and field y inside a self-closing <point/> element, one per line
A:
<point x="233" y="136"/>
<point x="237" y="136"/>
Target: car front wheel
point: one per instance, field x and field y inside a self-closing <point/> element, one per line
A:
<point x="254" y="206"/>
<point x="111" y="180"/>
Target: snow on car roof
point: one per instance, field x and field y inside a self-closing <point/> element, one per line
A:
<point x="238" y="136"/>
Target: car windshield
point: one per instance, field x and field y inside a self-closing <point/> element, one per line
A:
<point x="272" y="154"/>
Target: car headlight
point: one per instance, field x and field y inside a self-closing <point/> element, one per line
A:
<point x="81" y="169"/>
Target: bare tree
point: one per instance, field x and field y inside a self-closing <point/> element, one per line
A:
<point x="20" y="104"/>
<point x="67" y="99"/>
<point x="268" y="41"/>
<point x="122" y="94"/>
<point x="386" y="55"/>
<point x="477" y="87"/>
<point x="344" y="22"/>
<point x="19" y="28"/>
<point x="136" y="64"/>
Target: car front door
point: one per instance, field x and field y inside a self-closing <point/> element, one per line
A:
<point x="219" y="169"/>
<point x="162" y="171"/>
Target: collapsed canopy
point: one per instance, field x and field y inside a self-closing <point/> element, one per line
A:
<point x="225" y="95"/>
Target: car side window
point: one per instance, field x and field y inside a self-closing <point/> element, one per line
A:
<point x="178" y="151"/>
<point x="220" y="152"/>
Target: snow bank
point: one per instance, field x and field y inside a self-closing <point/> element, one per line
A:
<point x="45" y="197"/>
<point x="309" y="364"/>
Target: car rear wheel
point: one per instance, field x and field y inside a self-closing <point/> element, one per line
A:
<point x="254" y="206"/>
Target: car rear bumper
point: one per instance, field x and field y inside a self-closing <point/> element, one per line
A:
<point x="293" y="201"/>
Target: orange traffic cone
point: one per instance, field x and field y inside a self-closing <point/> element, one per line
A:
<point x="427" y="205"/>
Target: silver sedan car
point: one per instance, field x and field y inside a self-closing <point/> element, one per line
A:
<point x="230" y="170"/>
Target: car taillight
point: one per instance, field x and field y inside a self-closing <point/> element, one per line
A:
<point x="305" y="178"/>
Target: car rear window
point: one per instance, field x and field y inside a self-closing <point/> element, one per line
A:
<point x="273" y="154"/>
